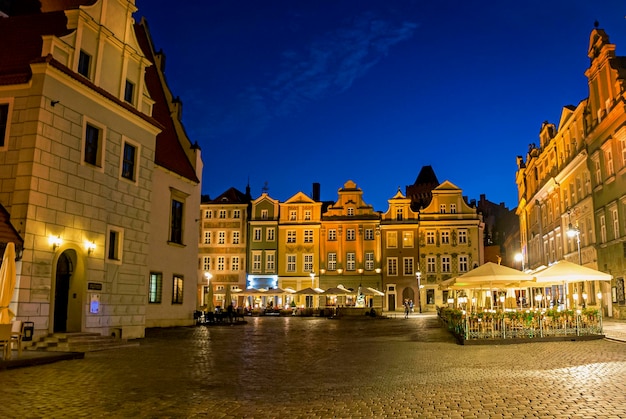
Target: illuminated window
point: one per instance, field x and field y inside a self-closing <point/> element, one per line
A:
<point x="392" y="266"/>
<point x="291" y="263"/>
<point x="291" y="236"/>
<point x="350" y="261"/>
<point x="332" y="261"/>
<point x="407" y="239"/>
<point x="392" y="239"/>
<point x="155" y="287"/>
<point x="177" y="290"/>
<point x="256" y="261"/>
<point x="270" y="262"/>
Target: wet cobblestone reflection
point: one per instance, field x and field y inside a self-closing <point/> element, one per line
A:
<point x="311" y="367"/>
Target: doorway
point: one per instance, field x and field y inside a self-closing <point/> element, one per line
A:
<point x="62" y="292"/>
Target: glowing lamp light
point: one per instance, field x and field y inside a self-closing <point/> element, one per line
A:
<point x="55" y="241"/>
<point x="90" y="246"/>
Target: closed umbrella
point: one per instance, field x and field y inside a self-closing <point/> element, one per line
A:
<point x="7" y="283"/>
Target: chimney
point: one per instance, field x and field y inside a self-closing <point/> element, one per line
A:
<point x="316" y="192"/>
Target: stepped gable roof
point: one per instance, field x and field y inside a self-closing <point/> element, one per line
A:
<point x="169" y="152"/>
<point x="22" y="43"/>
<point x="231" y="196"/>
<point x="55" y="5"/>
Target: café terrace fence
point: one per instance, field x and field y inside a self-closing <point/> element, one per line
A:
<point x="490" y="325"/>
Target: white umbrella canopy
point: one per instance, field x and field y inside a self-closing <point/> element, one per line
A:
<point x="372" y="292"/>
<point x="565" y="271"/>
<point x="338" y="291"/>
<point x="7" y="283"/>
<point x="489" y="275"/>
<point x="308" y="291"/>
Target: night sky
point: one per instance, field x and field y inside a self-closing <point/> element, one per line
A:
<point x="287" y="93"/>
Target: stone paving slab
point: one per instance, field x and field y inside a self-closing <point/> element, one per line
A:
<point x="318" y="368"/>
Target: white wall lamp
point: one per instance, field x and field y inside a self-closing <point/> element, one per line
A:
<point x="91" y="246"/>
<point x="55" y="241"/>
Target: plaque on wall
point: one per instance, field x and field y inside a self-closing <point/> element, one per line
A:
<point x="96" y="286"/>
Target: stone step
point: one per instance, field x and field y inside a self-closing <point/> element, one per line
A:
<point x="79" y="342"/>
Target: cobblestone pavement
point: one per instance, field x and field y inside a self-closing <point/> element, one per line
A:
<point x="319" y="368"/>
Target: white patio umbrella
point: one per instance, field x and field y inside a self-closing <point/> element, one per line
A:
<point x="565" y="271"/>
<point x="7" y="283"/>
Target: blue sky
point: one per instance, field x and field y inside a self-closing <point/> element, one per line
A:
<point x="294" y="92"/>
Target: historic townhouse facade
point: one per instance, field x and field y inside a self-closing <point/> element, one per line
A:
<point x="263" y="243"/>
<point x="350" y="242"/>
<point x="223" y="247"/>
<point x="399" y="233"/>
<point x="450" y="235"/>
<point x="572" y="187"/>
<point x="299" y="242"/>
<point x="78" y="147"/>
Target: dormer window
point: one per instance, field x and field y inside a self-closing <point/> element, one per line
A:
<point x="84" y="63"/>
<point x="350" y="211"/>
<point x="129" y="91"/>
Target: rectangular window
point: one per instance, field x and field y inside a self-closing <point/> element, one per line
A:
<point x="407" y="239"/>
<point x="256" y="261"/>
<point x="442" y="208"/>
<point x="463" y="264"/>
<point x="221" y="237"/>
<point x="350" y="261"/>
<point x="4" y="123"/>
<point x="271" y="234"/>
<point x="431" y="264"/>
<point x="114" y="250"/>
<point x="84" y="64"/>
<point x="221" y="263"/>
<point x="256" y="234"/>
<point x="155" y="288"/>
<point x="351" y="234"/>
<point x="129" y="91"/>
<point x="236" y="236"/>
<point x="430" y="237"/>
<point x="206" y="263"/>
<point x="208" y="214"/>
<point x="332" y="261"/>
<point x="332" y="235"/>
<point x="176" y="225"/>
<point x="207" y="237"/>
<point x="369" y="261"/>
<point x="408" y="266"/>
<point x="615" y="223"/>
<point x="308" y="236"/>
<point x="292" y="215"/>
<point x="237" y="213"/>
<point x="462" y="236"/>
<point x="308" y="262"/>
<point x="392" y="239"/>
<point x="608" y="161"/>
<point x="597" y="171"/>
<point x="307" y="215"/>
<point x="222" y="214"/>
<point x="270" y="262"/>
<point x="234" y="263"/>
<point x="602" y="229"/>
<point x="445" y="237"/>
<point x="452" y="208"/>
<point x="622" y="147"/>
<point x="369" y="234"/>
<point x="129" y="162"/>
<point x="291" y="236"/>
<point x="445" y="264"/>
<point x="399" y="214"/>
<point x="291" y="263"/>
<point x="177" y="290"/>
<point x="93" y="145"/>
<point x="392" y="266"/>
<point x="264" y="214"/>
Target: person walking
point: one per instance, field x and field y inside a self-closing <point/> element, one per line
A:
<point x="406" y="309"/>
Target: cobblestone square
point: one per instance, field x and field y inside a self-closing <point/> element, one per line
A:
<point x="319" y="368"/>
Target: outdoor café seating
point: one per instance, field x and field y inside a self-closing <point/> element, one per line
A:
<point x="5" y="340"/>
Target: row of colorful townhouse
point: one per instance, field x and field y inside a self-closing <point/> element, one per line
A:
<point x="303" y="242"/>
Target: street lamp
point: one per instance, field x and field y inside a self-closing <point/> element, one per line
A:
<point x="520" y="258"/>
<point x="418" y="275"/>
<point x="312" y="275"/>
<point x="575" y="232"/>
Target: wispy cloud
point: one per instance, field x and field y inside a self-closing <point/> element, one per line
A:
<point x="328" y="65"/>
